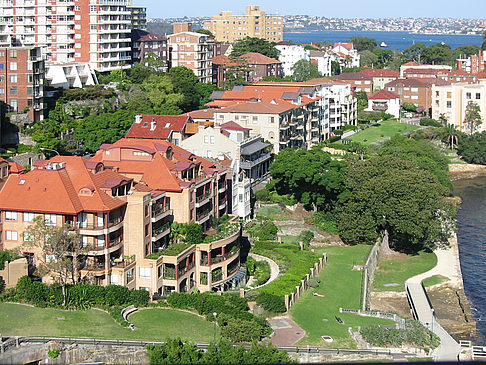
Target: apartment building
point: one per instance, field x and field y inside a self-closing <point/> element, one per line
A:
<point x="472" y="64"/>
<point x="70" y="74"/>
<point x="290" y="54"/>
<point x="253" y="67"/>
<point x="385" y="101"/>
<point x="380" y="77"/>
<point x="193" y="50"/>
<point x="417" y="91"/>
<point x="323" y="60"/>
<point x="358" y="81"/>
<point x="228" y="28"/>
<point x="124" y="225"/>
<point x="22" y="71"/>
<point x="420" y="66"/>
<point x="87" y="31"/>
<point x="346" y="54"/>
<point x="138" y="17"/>
<point x="452" y="100"/>
<point x="144" y="43"/>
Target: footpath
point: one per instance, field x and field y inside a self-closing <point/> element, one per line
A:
<point x="447" y="265"/>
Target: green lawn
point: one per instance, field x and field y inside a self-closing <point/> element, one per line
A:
<point x="290" y="239"/>
<point x="270" y="211"/>
<point x="341" y="286"/>
<point x="394" y="271"/>
<point x="152" y="324"/>
<point x="385" y="129"/>
<point x="434" y="280"/>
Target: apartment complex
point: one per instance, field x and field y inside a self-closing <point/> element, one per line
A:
<point x="358" y="81"/>
<point x="138" y="17"/>
<point x="380" y="76"/>
<point x="452" y="101"/>
<point x="124" y="222"/>
<point x="227" y="27"/>
<point x="472" y="64"/>
<point x="22" y="80"/>
<point x="193" y="50"/>
<point x="89" y="31"/>
<point x="155" y="46"/>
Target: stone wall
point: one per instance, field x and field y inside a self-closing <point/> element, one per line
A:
<point x="13" y="271"/>
<point x="74" y="354"/>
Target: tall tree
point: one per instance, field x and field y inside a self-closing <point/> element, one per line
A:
<point x="60" y="249"/>
<point x="437" y="54"/>
<point x="364" y="43"/>
<point x="251" y="44"/>
<point x="414" y="52"/>
<point x="304" y="70"/>
<point x="472" y="118"/>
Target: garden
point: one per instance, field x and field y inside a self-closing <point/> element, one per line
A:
<point x="382" y="131"/>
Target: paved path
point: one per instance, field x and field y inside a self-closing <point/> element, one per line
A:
<point x="447" y="265"/>
<point x="274" y="270"/>
<point x="287" y="332"/>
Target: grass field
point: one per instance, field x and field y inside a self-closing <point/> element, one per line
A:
<point x="270" y="211"/>
<point x="394" y="271"/>
<point x="152" y="324"/>
<point x="434" y="280"/>
<point x="341" y="286"/>
<point x="385" y="129"/>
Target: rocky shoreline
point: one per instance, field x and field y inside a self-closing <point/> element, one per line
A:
<point x="466" y="171"/>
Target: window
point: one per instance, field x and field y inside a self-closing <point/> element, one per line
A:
<point x="13" y="53"/>
<point x="414" y="89"/>
<point x="212" y="139"/>
<point x="130" y="275"/>
<point x="145" y="272"/>
<point x="13" y="90"/>
<point x="478" y="96"/>
<point x="50" y="219"/>
<point x="414" y="97"/>
<point x="114" y="279"/>
<point x="10" y="216"/>
<point x="437" y="103"/>
<point x="13" y="79"/>
<point x="468" y="96"/>
<point x="449" y="95"/>
<point x="146" y="230"/>
<point x="449" y="104"/>
<point x="146" y="208"/>
<point x="209" y="153"/>
<point x="160" y="271"/>
<point x="11" y="235"/>
<point x="28" y="217"/>
<point x="138" y="153"/>
<point x="13" y="66"/>
<point x="272" y="119"/>
<point x="206" y="139"/>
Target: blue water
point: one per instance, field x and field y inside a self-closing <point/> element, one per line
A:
<point x="394" y="40"/>
<point x="471" y="235"/>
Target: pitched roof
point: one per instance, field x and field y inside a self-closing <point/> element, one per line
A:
<point x="139" y="35"/>
<point x="201" y="114"/>
<point x="225" y="61"/>
<point x="157" y="126"/>
<point x="353" y="76"/>
<point x="15" y="168"/>
<point x="257" y="108"/>
<point x="417" y="82"/>
<point x="384" y="95"/>
<point x="50" y="189"/>
<point x="348" y="45"/>
<point x="380" y="72"/>
<point x="412" y="63"/>
<point x="234" y="127"/>
<point x="254" y="58"/>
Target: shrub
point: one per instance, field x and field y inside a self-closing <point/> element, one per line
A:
<point x="430" y="122"/>
<point x="325" y="221"/>
<point x="262" y="195"/>
<point x="262" y="272"/>
<point x="271" y="302"/>
<point x="314" y="282"/>
<point x="250" y="265"/>
<point x="6" y="256"/>
<point x="306" y="237"/>
<point x="53" y="353"/>
<point x="22" y="285"/>
<point x="139" y="298"/>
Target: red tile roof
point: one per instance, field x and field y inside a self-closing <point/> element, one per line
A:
<point x="412" y="63"/>
<point x="15" y="168"/>
<point x="417" y="82"/>
<point x="348" y="45"/>
<point x="254" y="58"/>
<point x="384" y="95"/>
<point x="158" y="126"/>
<point x="257" y="108"/>
<point x="233" y="126"/>
<point x="354" y="76"/>
<point x="380" y="72"/>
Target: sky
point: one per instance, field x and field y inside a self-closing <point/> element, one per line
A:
<point x="328" y="8"/>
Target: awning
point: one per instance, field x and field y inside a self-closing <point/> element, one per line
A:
<point x="254" y="147"/>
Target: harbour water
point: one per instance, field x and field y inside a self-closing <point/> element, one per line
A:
<point x="471" y="222"/>
<point x="394" y="40"/>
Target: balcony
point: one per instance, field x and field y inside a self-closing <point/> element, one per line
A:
<point x="160" y="212"/>
<point x="123" y="263"/>
<point x="250" y="164"/>
<point x="202" y="216"/>
<point x="96" y="268"/>
<point x="203" y="199"/>
<point x="96" y="228"/>
<point x="161" y="231"/>
<point x="185" y="269"/>
<point x="222" y="203"/>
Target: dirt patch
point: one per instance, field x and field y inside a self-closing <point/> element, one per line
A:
<point x="393" y="303"/>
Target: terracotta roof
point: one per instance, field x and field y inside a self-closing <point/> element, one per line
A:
<point x="15" y="168"/>
<point x="354" y="76"/>
<point x="426" y="71"/>
<point x="316" y="53"/>
<point x="417" y="82"/>
<point x="384" y="95"/>
<point x="201" y="114"/>
<point x="284" y="43"/>
<point x="158" y="126"/>
<point x="257" y="108"/>
<point x="58" y="190"/>
<point x="254" y="58"/>
<point x="348" y="45"/>
<point x="412" y="63"/>
<point x="233" y="126"/>
<point x="380" y="72"/>
<point x="225" y="61"/>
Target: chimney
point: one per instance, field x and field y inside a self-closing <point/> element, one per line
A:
<point x="182" y="27"/>
<point x="153" y="124"/>
<point x="138" y="118"/>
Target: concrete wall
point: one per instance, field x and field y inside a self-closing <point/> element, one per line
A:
<point x="13" y="271"/>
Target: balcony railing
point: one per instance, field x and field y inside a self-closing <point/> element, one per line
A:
<point x="157" y="231"/>
<point x="183" y="270"/>
<point x="202" y="215"/>
<point x="122" y="263"/>
<point x="249" y="164"/>
<point x="202" y="197"/>
<point x="159" y="210"/>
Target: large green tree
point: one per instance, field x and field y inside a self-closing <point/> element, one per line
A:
<point x="414" y="52"/>
<point x="304" y="70"/>
<point x="252" y="44"/>
<point x="437" y="54"/>
<point x="364" y="43"/>
<point x="472" y="148"/>
<point x="391" y="196"/>
<point x="472" y="118"/>
<point x="311" y="176"/>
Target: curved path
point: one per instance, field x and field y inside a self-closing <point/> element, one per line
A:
<point x="274" y="270"/>
<point x="447" y="265"/>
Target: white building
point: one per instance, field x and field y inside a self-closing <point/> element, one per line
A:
<point x="66" y="75"/>
<point x="88" y="31"/>
<point x="386" y="101"/>
<point x="323" y="60"/>
<point x="452" y="100"/>
<point x="346" y="55"/>
<point x="289" y="55"/>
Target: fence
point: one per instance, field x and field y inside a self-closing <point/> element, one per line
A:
<point x="369" y="274"/>
<point x="391" y="316"/>
<point x="290" y="299"/>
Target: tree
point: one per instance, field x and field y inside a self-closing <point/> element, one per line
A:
<point x="472" y="118"/>
<point x="139" y="73"/>
<point x="391" y="196"/>
<point x="152" y="61"/>
<point x="304" y="70"/>
<point x="466" y="51"/>
<point x="311" y="176"/>
<point x="184" y="82"/>
<point x="414" y="52"/>
<point x="409" y="107"/>
<point x="362" y="100"/>
<point x="364" y="43"/>
<point x="368" y="58"/>
<point x="437" y="54"/>
<point x="473" y="148"/>
<point x="235" y="75"/>
<point x="60" y="249"/>
<point x="483" y="46"/>
<point x="251" y="44"/>
<point x="205" y="31"/>
<point x="335" y="68"/>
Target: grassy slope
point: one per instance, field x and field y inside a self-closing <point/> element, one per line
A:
<point x="342" y="288"/>
<point x="152" y="324"/>
<point x="386" y="128"/>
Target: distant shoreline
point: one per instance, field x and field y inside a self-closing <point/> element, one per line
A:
<point x="384" y="31"/>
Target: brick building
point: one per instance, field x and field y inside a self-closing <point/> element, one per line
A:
<point x="358" y="81"/>
<point x="22" y="80"/>
<point x="143" y="43"/>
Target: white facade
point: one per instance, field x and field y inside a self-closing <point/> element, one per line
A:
<point x="323" y="60"/>
<point x="70" y="75"/>
<point x="289" y="55"/>
<point x="451" y="102"/>
<point x="390" y="106"/>
<point x="346" y="55"/>
<point x="94" y="31"/>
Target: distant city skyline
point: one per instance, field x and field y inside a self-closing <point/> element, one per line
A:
<point x="475" y="9"/>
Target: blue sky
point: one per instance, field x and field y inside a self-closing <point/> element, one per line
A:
<point x="329" y="8"/>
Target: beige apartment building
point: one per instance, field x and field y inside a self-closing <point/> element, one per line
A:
<point x="227" y="27"/>
<point x="193" y="50"/>
<point x="452" y="100"/>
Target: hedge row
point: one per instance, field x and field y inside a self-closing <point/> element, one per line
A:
<point x="236" y="323"/>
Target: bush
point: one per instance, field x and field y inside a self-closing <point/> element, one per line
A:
<point x="271" y="302"/>
<point x="266" y="230"/>
<point x="53" y="353"/>
<point x="139" y="298"/>
<point x="306" y="237"/>
<point x="429" y="122"/>
<point x="326" y="222"/>
<point x="262" y="195"/>
<point x="262" y="272"/>
<point x="116" y="295"/>
<point x="6" y="256"/>
<point x="314" y="282"/>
